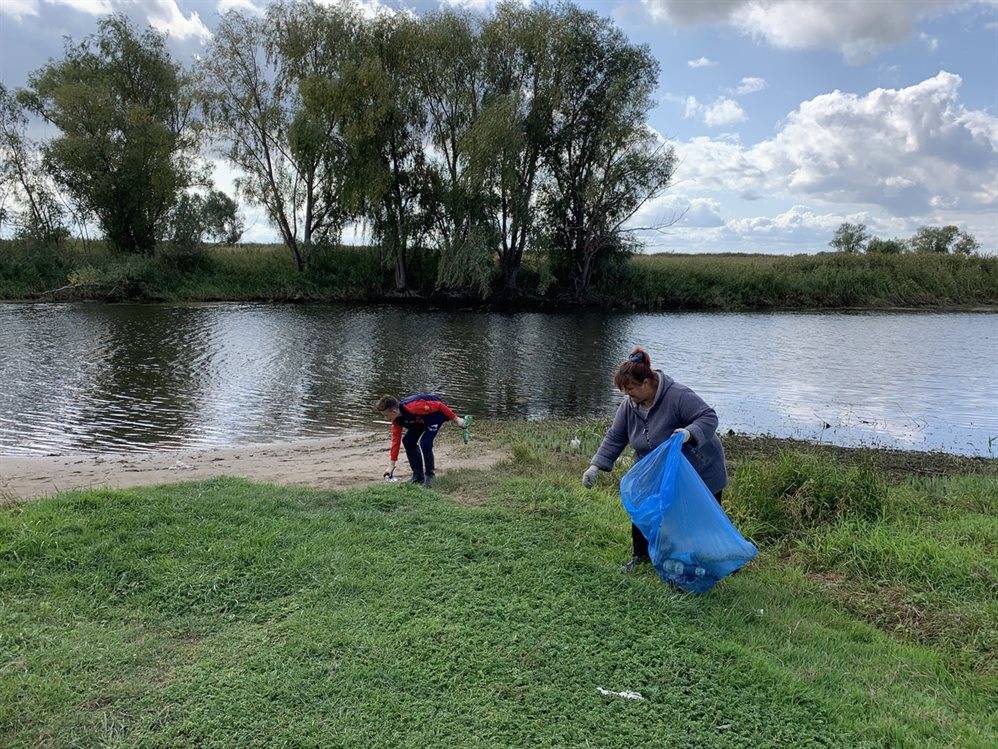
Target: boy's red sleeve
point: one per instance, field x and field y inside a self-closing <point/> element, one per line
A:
<point x="428" y="407"/>
<point x="446" y="410"/>
<point x="396" y="441"/>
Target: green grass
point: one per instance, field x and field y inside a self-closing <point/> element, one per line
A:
<point x="664" y="281"/>
<point x="487" y="612"/>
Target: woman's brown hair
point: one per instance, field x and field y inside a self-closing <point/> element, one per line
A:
<point x="636" y="368"/>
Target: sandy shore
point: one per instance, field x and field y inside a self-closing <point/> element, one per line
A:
<point x="325" y="463"/>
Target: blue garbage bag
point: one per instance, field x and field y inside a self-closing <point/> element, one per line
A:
<point x="692" y="543"/>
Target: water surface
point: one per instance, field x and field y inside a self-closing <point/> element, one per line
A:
<point x="101" y="377"/>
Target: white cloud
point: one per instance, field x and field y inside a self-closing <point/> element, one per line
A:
<point x="857" y="28"/>
<point x="796" y="220"/>
<point x="18" y="9"/>
<point x="368" y="8"/>
<point x="166" y="17"/>
<point x="722" y="112"/>
<point x="692" y="107"/>
<point x="907" y="150"/>
<point x="224" y="6"/>
<point x="930" y="41"/>
<point x="479" y="5"/>
<point x="680" y="211"/>
<point x="750" y="86"/>
<point x="703" y="213"/>
<point x="92" y="7"/>
<point x="701" y="62"/>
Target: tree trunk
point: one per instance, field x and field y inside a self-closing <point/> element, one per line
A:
<point x="509" y="268"/>
<point x="401" y="283"/>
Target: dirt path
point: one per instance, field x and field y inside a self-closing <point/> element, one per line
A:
<point x="325" y="463"/>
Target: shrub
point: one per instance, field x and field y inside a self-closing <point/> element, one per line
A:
<point x="775" y="499"/>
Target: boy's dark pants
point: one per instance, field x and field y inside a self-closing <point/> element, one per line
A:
<point x="640" y="543"/>
<point x="418" y="443"/>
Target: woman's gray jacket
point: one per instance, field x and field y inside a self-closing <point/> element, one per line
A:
<point x="675" y="406"/>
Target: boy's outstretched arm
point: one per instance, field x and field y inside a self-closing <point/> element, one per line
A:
<point x="396" y="443"/>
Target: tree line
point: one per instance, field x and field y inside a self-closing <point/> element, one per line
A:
<point x="475" y="140"/>
<point x="855" y="238"/>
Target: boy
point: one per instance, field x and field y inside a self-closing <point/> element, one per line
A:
<point x="421" y="416"/>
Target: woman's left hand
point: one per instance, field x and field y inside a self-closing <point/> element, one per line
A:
<point x="686" y="434"/>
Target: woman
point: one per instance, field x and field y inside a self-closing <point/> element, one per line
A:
<point x="656" y="407"/>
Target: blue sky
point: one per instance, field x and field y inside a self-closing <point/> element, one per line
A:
<point x="790" y="116"/>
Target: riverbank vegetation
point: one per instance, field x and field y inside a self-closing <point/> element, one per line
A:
<point x="491" y="612"/>
<point x="501" y="158"/>
<point x="653" y="282"/>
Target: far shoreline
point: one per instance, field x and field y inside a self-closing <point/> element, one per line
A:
<point x="456" y="305"/>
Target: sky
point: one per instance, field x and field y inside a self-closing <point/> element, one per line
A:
<point x="788" y="116"/>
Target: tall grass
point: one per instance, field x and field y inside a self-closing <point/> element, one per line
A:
<point x="809" y="281"/>
<point x="793" y="493"/>
<point x="266" y="272"/>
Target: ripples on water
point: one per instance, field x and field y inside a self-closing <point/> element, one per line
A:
<point x="97" y="377"/>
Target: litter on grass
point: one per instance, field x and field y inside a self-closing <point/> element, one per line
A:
<point x="625" y="695"/>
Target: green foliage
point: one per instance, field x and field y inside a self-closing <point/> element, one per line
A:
<point x="934" y="239"/>
<point x="879" y="246"/>
<point x="966" y="244"/>
<point x="796" y="493"/>
<point x="199" y="218"/>
<point x="222" y="220"/>
<point x="850" y="238"/>
<point x="123" y="110"/>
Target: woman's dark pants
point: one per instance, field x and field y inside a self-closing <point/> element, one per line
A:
<point x="640" y="543"/>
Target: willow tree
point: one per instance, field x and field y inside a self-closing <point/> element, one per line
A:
<point x="273" y="91"/>
<point x="509" y="137"/>
<point x="389" y="182"/>
<point x="602" y="161"/>
<point x="450" y="80"/>
<point x="35" y="209"/>
<point x="126" y="131"/>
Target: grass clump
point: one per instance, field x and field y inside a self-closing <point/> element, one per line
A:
<point x="795" y="492"/>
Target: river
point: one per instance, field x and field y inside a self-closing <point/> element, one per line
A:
<point x="122" y="377"/>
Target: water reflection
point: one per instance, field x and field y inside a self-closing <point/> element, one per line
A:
<point x="131" y="377"/>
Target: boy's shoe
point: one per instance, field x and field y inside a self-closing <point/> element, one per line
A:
<point x="427" y="482"/>
<point x="419" y="481"/>
<point x="633" y="564"/>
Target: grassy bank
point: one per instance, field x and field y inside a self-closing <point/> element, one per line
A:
<point x="488" y="611"/>
<point x="720" y="282"/>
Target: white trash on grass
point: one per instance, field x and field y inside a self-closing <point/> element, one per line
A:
<point x="625" y="695"/>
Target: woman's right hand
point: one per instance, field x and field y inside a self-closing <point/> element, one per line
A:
<point x="589" y="477"/>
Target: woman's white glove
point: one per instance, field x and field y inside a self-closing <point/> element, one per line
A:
<point x="686" y="434"/>
<point x="460" y="421"/>
<point x="589" y="477"/>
